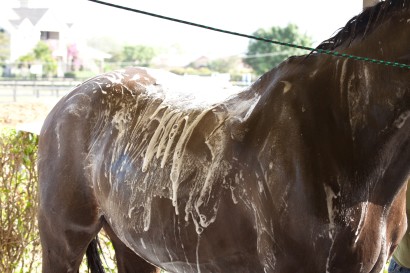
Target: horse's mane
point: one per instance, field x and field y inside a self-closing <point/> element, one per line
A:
<point x="363" y="23"/>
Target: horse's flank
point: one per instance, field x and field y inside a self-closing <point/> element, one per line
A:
<point x="152" y="134"/>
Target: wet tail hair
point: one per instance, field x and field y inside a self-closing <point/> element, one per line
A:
<point x="93" y="257"/>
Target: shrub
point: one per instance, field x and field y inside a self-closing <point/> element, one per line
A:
<point x="19" y="242"/>
<point x="70" y="75"/>
<point x="20" y="249"/>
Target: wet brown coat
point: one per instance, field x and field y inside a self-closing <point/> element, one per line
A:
<point x="304" y="171"/>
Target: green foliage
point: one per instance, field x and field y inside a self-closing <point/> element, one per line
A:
<point x="49" y="66"/>
<point x="19" y="243"/>
<point x="41" y="54"/>
<point x="4" y="46"/>
<point x="134" y="55"/>
<point x="386" y="267"/>
<point x="85" y="74"/>
<point x="128" y="53"/>
<point x="27" y="59"/>
<point x="263" y="56"/>
<point x="19" y="240"/>
<point x="202" y="71"/>
<point x="41" y="51"/>
<point x="79" y="75"/>
<point x="106" y="252"/>
<point x="233" y="65"/>
<point x="104" y="43"/>
<point x="69" y="74"/>
<point x="225" y="65"/>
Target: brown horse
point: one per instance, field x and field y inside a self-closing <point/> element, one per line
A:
<point x="305" y="171"/>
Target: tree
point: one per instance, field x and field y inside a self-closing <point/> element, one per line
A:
<point x="263" y="56"/>
<point x="140" y="54"/>
<point x="225" y="65"/>
<point x="43" y="54"/>
<point x="4" y="46"/>
<point x="104" y="43"/>
<point x="133" y="55"/>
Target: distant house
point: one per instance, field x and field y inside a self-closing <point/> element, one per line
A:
<point x="200" y="62"/>
<point x="26" y="26"/>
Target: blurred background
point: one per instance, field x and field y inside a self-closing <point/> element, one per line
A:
<point x="48" y="47"/>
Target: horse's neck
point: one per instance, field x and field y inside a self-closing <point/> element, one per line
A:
<point x="369" y="103"/>
<point x="378" y="107"/>
<point x="376" y="93"/>
<point x="386" y="40"/>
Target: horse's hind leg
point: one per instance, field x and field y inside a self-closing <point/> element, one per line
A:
<point x="68" y="212"/>
<point x="127" y="260"/>
<point x="68" y="221"/>
<point x="64" y="242"/>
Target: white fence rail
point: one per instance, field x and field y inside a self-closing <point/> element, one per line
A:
<point x="27" y="90"/>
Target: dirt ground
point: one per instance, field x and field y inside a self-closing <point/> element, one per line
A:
<point x="24" y="114"/>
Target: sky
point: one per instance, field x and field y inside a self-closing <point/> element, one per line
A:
<point x="316" y="18"/>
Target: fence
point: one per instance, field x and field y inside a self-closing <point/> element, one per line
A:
<point x="23" y="90"/>
<point x="27" y="90"/>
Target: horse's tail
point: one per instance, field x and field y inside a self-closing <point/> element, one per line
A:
<point x="93" y="257"/>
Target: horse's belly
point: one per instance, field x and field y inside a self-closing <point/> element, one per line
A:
<point x="168" y="236"/>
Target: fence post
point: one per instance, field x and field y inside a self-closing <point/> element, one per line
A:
<point x="36" y="89"/>
<point x="15" y="91"/>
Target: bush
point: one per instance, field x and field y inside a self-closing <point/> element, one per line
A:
<point x="20" y="249"/>
<point x="19" y="242"/>
<point x="70" y="75"/>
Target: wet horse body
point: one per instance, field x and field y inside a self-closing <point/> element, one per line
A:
<point x="303" y="172"/>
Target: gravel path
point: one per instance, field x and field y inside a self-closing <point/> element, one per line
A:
<point x="27" y="116"/>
